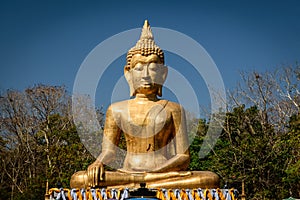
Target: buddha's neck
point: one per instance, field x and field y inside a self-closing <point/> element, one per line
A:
<point x="145" y="97"/>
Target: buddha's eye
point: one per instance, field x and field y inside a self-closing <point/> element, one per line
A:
<point x="153" y="66"/>
<point x="138" y="67"/>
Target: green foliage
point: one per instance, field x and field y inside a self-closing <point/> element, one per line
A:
<point x="251" y="151"/>
<point x="67" y="154"/>
<point x="291" y="144"/>
<point x="260" y="140"/>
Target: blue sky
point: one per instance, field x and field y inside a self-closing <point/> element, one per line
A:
<point x="46" y="41"/>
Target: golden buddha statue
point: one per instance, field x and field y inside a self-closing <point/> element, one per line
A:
<point x="154" y="129"/>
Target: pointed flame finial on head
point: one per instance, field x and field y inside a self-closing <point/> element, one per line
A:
<point x="146" y="31"/>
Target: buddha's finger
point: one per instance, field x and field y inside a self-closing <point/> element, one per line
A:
<point x="101" y="172"/>
<point x="89" y="177"/>
<point x="96" y="176"/>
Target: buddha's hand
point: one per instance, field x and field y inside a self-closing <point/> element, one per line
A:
<point x="95" y="173"/>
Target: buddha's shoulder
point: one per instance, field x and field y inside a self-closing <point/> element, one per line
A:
<point x="118" y="106"/>
<point x="172" y="106"/>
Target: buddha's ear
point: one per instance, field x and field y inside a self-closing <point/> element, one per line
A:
<point x="128" y="76"/>
<point x="164" y="73"/>
<point x="159" y="90"/>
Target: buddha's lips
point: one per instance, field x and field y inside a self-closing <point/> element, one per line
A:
<point x="147" y="84"/>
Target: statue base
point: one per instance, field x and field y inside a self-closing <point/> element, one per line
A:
<point x="141" y="194"/>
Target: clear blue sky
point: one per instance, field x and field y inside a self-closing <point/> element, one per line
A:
<point x="46" y="41"/>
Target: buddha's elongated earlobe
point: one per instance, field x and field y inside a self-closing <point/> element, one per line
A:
<point x="159" y="91"/>
<point x="164" y="73"/>
<point x="128" y="76"/>
<point x="163" y="79"/>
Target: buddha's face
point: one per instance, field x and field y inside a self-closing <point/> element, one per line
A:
<point x="146" y="74"/>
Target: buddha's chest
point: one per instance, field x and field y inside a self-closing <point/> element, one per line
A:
<point x="145" y="121"/>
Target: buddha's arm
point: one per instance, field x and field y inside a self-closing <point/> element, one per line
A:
<point x="177" y="163"/>
<point x="111" y="137"/>
<point x="182" y="158"/>
<point x="110" y="140"/>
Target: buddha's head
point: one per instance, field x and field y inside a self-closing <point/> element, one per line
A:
<point x="145" y="71"/>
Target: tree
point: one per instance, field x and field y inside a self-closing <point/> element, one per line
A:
<point x="39" y="141"/>
<point x="260" y="139"/>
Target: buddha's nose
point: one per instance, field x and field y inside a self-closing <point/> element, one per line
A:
<point x="146" y="71"/>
